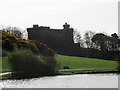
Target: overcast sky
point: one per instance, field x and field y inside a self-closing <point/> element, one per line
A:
<point x="82" y="15"/>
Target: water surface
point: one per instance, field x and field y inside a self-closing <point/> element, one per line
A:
<point x="66" y="81"/>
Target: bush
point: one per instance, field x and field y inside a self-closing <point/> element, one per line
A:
<point x="11" y="42"/>
<point x="8" y="41"/>
<point x="4" y="53"/>
<point x="44" y="49"/>
<point x="25" y="64"/>
<point x="51" y="65"/>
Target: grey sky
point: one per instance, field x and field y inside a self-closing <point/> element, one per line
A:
<point x="82" y="15"/>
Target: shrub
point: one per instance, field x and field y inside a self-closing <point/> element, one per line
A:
<point x="33" y="47"/>
<point x="4" y="53"/>
<point x="66" y="67"/>
<point x="44" y="49"/>
<point x="8" y="41"/>
<point x="51" y="65"/>
<point x="25" y="64"/>
<point x="11" y="42"/>
<point x="8" y="45"/>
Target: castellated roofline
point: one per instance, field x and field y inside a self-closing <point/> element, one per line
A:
<point x="65" y="27"/>
<point x="60" y="40"/>
<point x="37" y="26"/>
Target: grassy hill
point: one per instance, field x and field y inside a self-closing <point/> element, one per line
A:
<point x="72" y="62"/>
<point x="84" y="63"/>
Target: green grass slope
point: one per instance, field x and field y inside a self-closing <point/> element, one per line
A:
<point x="5" y="64"/>
<point x="84" y="63"/>
<point x="72" y="62"/>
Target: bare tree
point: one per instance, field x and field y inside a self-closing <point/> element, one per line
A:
<point x="14" y="30"/>
<point x="88" y="38"/>
<point x="78" y="38"/>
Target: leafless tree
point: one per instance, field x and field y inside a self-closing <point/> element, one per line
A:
<point x="14" y="30"/>
<point x="78" y="38"/>
<point x="88" y="38"/>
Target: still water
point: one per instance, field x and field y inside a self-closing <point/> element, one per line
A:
<point x="65" y="81"/>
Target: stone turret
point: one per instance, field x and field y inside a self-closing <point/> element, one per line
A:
<point x="66" y="26"/>
<point x="35" y="26"/>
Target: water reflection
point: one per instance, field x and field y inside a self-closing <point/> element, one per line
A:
<point x="68" y="81"/>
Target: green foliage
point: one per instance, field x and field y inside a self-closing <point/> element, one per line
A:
<point x="6" y="35"/>
<point x="25" y="64"/>
<point x="11" y="42"/>
<point x="108" y="46"/>
<point x="14" y="31"/>
<point x="4" y="53"/>
<point x="8" y="41"/>
<point x="44" y="49"/>
<point x="106" y="43"/>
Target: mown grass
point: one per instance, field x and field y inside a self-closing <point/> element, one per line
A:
<point x="84" y="63"/>
<point x="72" y="62"/>
<point x="5" y="64"/>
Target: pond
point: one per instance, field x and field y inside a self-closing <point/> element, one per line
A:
<point x="65" y="81"/>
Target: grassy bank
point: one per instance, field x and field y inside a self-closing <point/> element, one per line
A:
<point x="73" y="63"/>
<point x="84" y="63"/>
<point x="5" y="64"/>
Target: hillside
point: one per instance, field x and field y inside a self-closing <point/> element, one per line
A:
<point x="73" y="63"/>
<point x="83" y="63"/>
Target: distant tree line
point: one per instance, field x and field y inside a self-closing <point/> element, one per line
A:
<point x="98" y="45"/>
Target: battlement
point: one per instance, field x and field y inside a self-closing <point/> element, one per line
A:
<point x="54" y="38"/>
<point x="41" y="27"/>
<point x="37" y="27"/>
